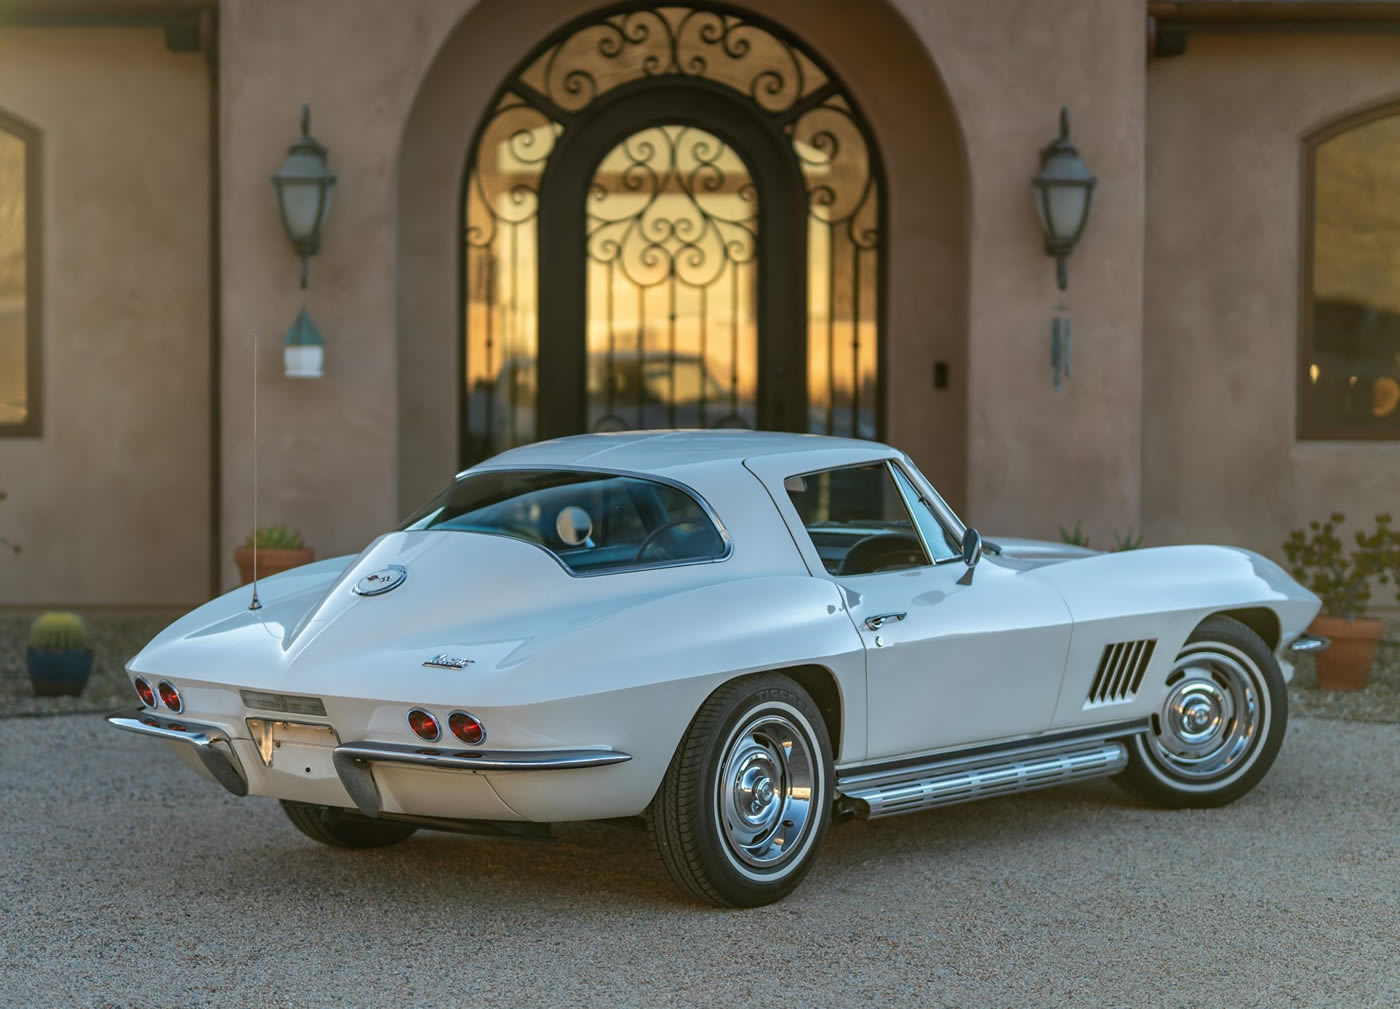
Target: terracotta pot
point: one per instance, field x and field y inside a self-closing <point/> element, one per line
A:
<point x="270" y="561"/>
<point x="1347" y="664"/>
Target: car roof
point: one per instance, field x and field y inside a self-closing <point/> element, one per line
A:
<point x="675" y="451"/>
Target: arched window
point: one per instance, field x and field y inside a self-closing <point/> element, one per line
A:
<point x="19" y="278"/>
<point x="672" y="217"/>
<point x="1349" y="374"/>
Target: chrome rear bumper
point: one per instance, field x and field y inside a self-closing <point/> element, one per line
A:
<point x="1310" y="643"/>
<point x="353" y="760"/>
<point x="218" y="760"/>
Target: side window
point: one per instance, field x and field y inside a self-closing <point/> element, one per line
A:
<point x="936" y="538"/>
<point x="857" y="520"/>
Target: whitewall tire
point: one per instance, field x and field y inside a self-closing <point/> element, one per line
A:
<point x="746" y="800"/>
<point x="1219" y="724"/>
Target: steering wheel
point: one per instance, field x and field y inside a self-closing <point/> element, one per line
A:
<point x="880" y="551"/>
<point x="651" y="537"/>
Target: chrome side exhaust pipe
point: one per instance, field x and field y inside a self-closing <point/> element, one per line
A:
<point x="946" y="783"/>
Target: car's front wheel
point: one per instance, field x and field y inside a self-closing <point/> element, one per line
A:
<point x="1220" y="722"/>
<point x="342" y="828"/>
<point x="746" y="801"/>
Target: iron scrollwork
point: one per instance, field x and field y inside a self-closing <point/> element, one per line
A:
<point x="785" y="83"/>
<point x="664" y="213"/>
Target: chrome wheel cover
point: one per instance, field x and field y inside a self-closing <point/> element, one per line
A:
<point x="766" y="786"/>
<point x="1211" y="718"/>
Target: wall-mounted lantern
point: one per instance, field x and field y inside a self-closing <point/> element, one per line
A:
<point x="303" y="185"/>
<point x="303" y="351"/>
<point x="1064" y="189"/>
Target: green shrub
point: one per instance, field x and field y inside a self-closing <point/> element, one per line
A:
<point x="58" y="631"/>
<point x="275" y="538"/>
<point x="1343" y="580"/>
<point x="1127" y="541"/>
<point x="1075" y="537"/>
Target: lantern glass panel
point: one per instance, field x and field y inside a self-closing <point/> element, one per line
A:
<point x="301" y="206"/>
<point x="1062" y="208"/>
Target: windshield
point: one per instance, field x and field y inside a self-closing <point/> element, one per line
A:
<point x="591" y="521"/>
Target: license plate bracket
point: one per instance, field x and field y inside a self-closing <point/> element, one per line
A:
<point x="269" y="735"/>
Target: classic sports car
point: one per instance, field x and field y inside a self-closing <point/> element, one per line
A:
<point x="737" y="636"/>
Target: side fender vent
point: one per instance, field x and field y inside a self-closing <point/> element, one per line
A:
<point x="1120" y="671"/>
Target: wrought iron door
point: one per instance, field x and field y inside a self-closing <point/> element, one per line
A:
<point x="672" y="219"/>
<point x="672" y="284"/>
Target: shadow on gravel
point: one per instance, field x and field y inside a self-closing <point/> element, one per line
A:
<point x="607" y="865"/>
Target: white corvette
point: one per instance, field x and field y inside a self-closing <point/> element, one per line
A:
<point x="737" y="636"/>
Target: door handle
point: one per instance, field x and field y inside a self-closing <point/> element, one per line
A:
<point x="876" y="622"/>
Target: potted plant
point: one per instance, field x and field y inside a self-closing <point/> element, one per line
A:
<point x="1342" y="580"/>
<point x="277" y="549"/>
<point x="60" y="660"/>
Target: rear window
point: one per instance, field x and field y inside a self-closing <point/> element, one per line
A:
<point x="591" y="521"/>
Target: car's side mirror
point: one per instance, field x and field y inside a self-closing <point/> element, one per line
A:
<point x="972" y="547"/>
<point x="971" y="553"/>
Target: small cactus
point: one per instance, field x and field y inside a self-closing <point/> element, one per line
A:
<point x="275" y="538"/>
<point x="58" y="632"/>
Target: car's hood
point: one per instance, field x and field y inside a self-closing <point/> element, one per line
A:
<point x="1038" y="551"/>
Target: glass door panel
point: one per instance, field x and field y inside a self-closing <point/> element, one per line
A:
<point x="672" y="243"/>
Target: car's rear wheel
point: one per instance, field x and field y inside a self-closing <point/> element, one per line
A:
<point x="1220" y="722"/>
<point x="342" y="828"/>
<point x="746" y="801"/>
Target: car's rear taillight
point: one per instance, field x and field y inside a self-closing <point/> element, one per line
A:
<point x="424" y="725"/>
<point x="467" y="727"/>
<point x="144" y="691"/>
<point x="170" y="697"/>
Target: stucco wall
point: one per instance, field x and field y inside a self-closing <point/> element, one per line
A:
<point x="328" y="451"/>
<point x="959" y="190"/>
<point x="1226" y="125"/>
<point x="1039" y="458"/>
<point x="111" y="503"/>
<point x="969" y="282"/>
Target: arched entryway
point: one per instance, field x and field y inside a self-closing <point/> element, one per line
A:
<point x="686" y="138"/>
<point x="672" y="217"/>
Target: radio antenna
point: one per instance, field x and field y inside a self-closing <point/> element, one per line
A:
<point x="254" y="604"/>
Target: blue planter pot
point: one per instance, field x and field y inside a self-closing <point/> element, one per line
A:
<point x="57" y="671"/>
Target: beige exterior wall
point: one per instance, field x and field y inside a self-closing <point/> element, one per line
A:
<point x="111" y="503"/>
<point x="329" y="455"/>
<point x="1222" y="320"/>
<point x="1039" y="458"/>
<point x="1178" y="418"/>
<point x="396" y="89"/>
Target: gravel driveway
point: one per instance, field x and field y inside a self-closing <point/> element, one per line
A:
<point x="127" y="881"/>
